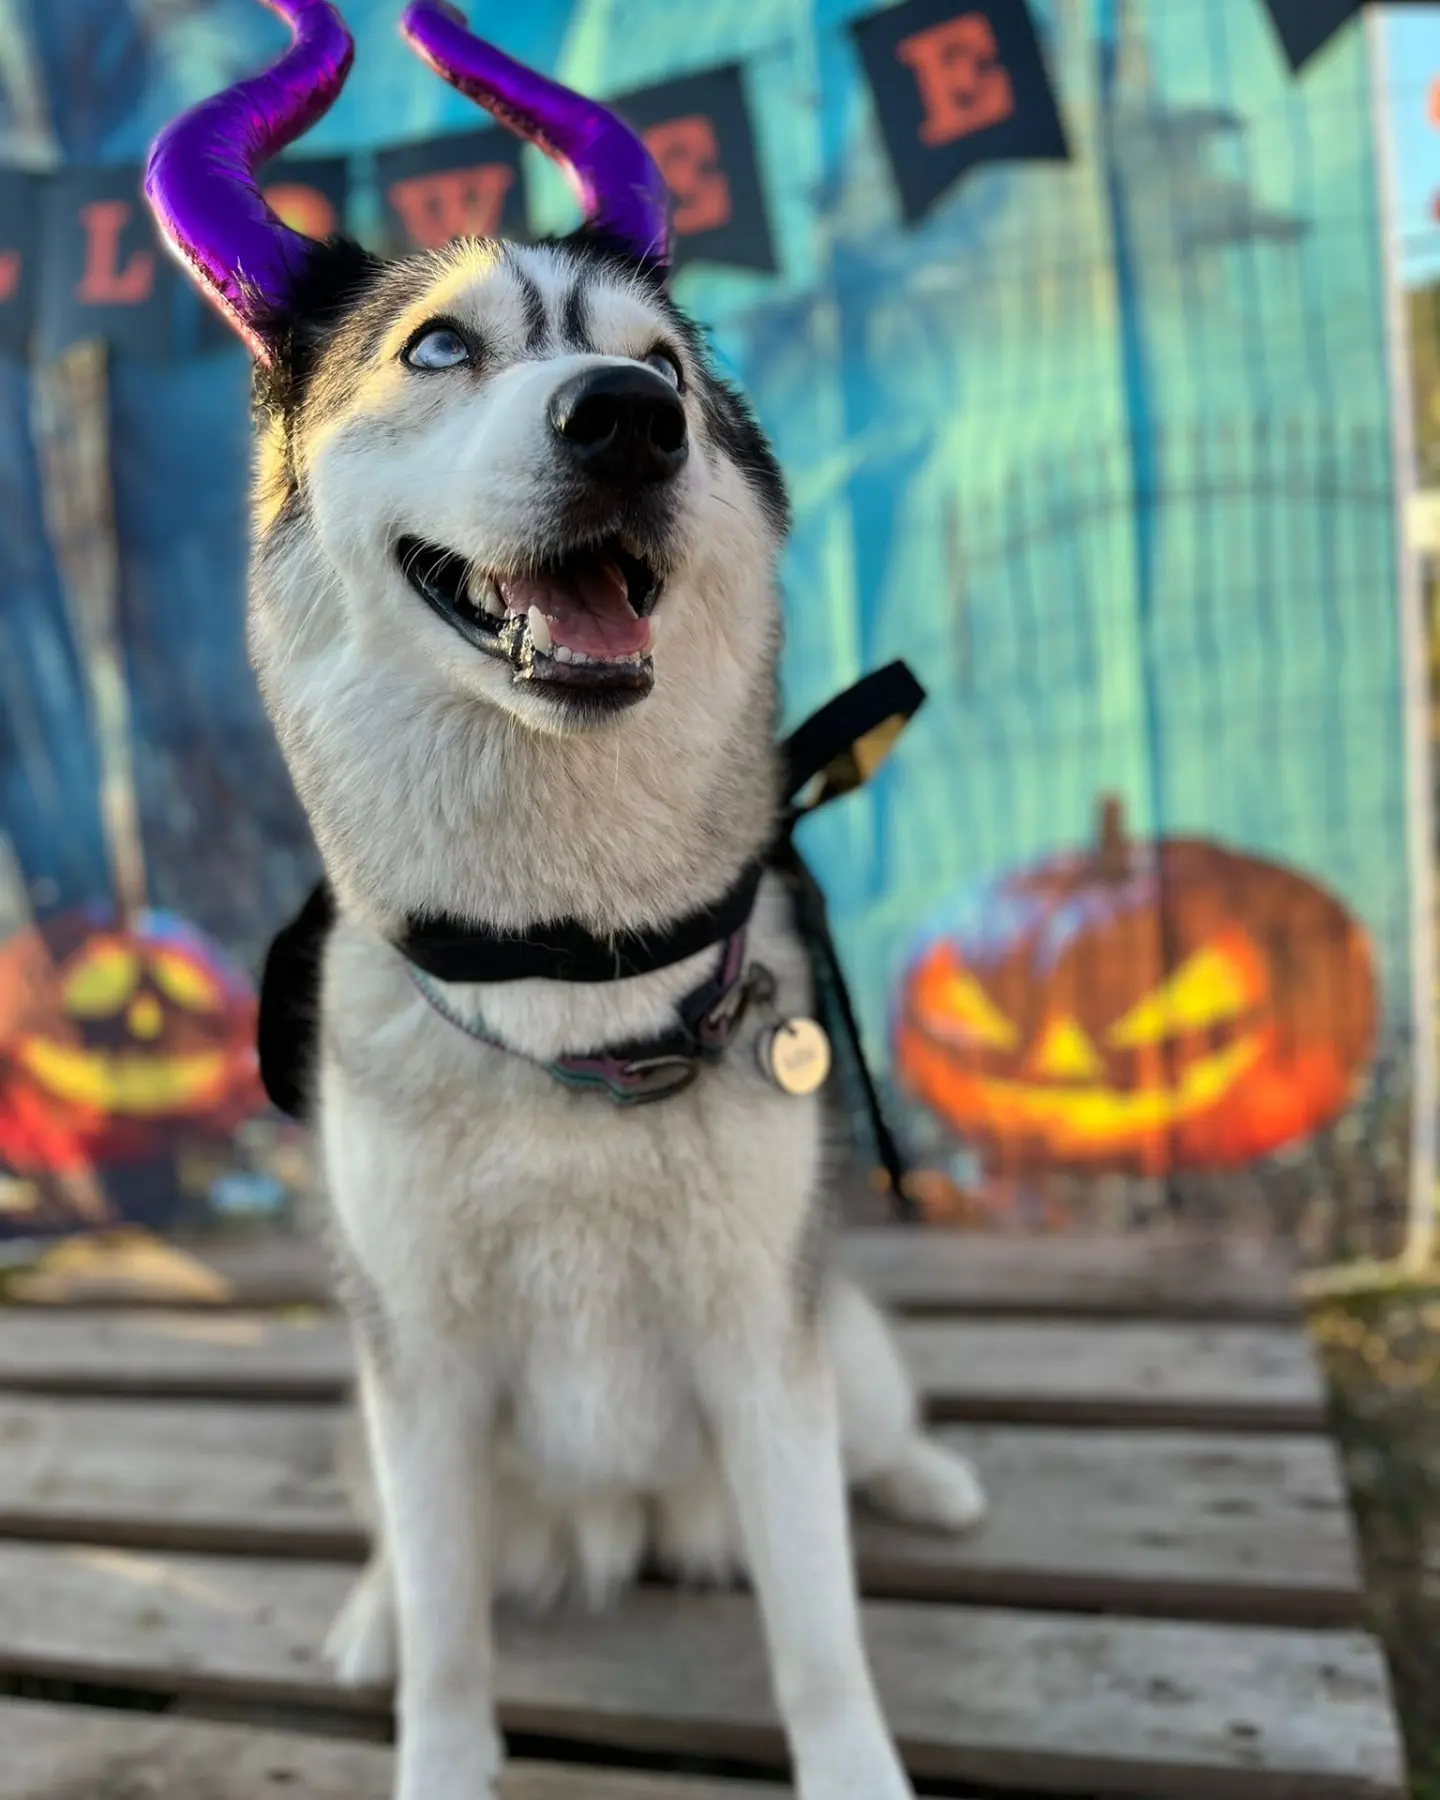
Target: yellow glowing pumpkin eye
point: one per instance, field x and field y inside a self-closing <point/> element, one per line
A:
<point x="1064" y="1053"/>
<point x="1215" y="985"/>
<point x="185" y="982"/>
<point x="964" y="1010"/>
<point x="100" y="982"/>
<point x="145" y="1018"/>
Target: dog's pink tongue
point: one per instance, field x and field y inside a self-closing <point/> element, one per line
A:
<point x="587" y="606"/>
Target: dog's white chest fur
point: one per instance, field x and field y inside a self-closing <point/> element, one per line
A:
<point x="581" y="1251"/>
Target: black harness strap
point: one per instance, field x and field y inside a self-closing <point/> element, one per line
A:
<point x="835" y="751"/>
<point x="290" y="1004"/>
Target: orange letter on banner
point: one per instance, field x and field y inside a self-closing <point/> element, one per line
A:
<point x="103" y="283"/>
<point x="303" y="209"/>
<point x="9" y="274"/>
<point x="963" y="88"/>
<point x="688" y="153"/>
<point x="452" y="203"/>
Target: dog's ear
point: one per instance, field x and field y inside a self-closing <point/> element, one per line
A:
<point x="337" y="276"/>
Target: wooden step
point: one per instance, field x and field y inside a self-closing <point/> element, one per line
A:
<point x="1199" y="1525"/>
<point x="913" y="1270"/>
<point x="91" y="1752"/>
<point x="1154" y="1277"/>
<point x="1051" y="1703"/>
<point x="1221" y="1376"/>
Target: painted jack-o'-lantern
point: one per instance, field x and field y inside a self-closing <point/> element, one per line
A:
<point x="1140" y="1008"/>
<point x="118" y="1038"/>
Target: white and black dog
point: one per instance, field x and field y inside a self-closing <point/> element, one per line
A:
<point x="513" y="613"/>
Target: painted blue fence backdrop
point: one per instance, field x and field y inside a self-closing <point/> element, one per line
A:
<point x="1100" y="445"/>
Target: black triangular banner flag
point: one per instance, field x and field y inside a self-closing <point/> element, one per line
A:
<point x="103" y="271"/>
<point x="1306" y="26"/>
<point x="698" y="130"/>
<point x="957" y="82"/>
<point x="469" y="186"/>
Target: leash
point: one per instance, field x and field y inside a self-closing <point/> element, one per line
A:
<point x="831" y="754"/>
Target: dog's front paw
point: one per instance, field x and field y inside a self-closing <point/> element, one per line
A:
<point x="449" y="1756"/>
<point x="848" y="1768"/>
<point x="928" y="1486"/>
<point x="361" y="1648"/>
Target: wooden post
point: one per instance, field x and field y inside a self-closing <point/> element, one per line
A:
<point x="72" y="430"/>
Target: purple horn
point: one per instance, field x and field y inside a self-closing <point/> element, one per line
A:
<point x="200" y="179"/>
<point x="618" y="182"/>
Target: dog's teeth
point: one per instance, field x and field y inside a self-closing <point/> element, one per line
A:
<point x="579" y="656"/>
<point x="540" y="631"/>
<point x="485" y="595"/>
<point x="563" y="653"/>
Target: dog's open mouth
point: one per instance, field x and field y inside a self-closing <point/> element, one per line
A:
<point x="582" y="622"/>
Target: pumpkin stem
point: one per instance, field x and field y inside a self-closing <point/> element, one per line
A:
<point x="1114" y="857"/>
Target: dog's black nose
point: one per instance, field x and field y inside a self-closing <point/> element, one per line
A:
<point x="624" y="425"/>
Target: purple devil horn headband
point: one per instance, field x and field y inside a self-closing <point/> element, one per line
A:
<point x="200" y="179"/>
<point x="619" y="185"/>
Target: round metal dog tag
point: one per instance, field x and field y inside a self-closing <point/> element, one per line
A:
<point x="795" y="1055"/>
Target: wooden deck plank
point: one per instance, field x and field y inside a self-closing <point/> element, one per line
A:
<point x="925" y="1271"/>
<point x="1103" y="1372"/>
<point x="1062" y="1703"/>
<point x="1225" y="1376"/>
<point x="99" y="1753"/>
<point x="1184" y="1277"/>
<point x="1176" y="1524"/>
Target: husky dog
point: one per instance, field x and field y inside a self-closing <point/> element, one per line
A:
<point x="513" y="613"/>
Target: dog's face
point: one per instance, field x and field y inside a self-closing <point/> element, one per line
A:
<point x="513" y="604"/>
<point x="523" y="473"/>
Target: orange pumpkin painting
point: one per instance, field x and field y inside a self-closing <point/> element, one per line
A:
<point x="1140" y="1008"/>
<point x="117" y="1039"/>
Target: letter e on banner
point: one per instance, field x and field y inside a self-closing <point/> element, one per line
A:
<point x="955" y="83"/>
<point x="698" y="130"/>
<point x="963" y="88"/>
<point x="688" y="152"/>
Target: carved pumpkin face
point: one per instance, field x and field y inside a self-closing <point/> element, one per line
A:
<point x="1141" y="1008"/>
<point x="123" y="1035"/>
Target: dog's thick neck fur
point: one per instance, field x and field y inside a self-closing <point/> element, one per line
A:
<point x="430" y="785"/>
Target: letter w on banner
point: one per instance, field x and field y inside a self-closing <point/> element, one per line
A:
<point x="956" y="84"/>
<point x="467" y="186"/>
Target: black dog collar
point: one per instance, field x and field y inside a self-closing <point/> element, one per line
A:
<point x="565" y="951"/>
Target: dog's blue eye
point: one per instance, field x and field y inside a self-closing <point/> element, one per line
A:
<point x="441" y="348"/>
<point x="665" y="365"/>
